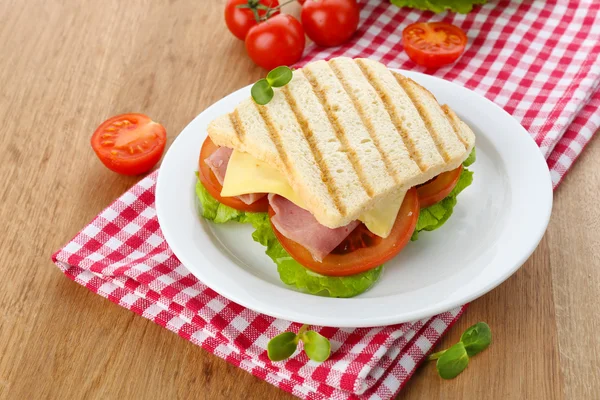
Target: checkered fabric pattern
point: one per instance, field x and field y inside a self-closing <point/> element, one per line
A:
<point x="122" y="255"/>
<point x="538" y="60"/>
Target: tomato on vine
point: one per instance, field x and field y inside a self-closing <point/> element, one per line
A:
<point x="277" y="41"/>
<point x="272" y="39"/>
<point x="241" y="15"/>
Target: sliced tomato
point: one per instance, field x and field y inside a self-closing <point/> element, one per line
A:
<point x="211" y="183"/>
<point x="129" y="144"/>
<point x="433" y="44"/>
<point x="361" y="250"/>
<point x="438" y="188"/>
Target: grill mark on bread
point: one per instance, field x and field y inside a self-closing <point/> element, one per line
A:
<point x="451" y="118"/>
<point x="234" y="117"/>
<point x="396" y="120"/>
<point x="365" y="120"/>
<point x="274" y="135"/>
<point x="423" y="114"/>
<point x="317" y="155"/>
<point x="339" y="132"/>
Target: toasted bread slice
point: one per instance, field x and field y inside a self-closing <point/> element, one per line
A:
<point x="348" y="134"/>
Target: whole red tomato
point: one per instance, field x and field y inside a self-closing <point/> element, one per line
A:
<point x="240" y="20"/>
<point x="330" y="22"/>
<point x="276" y="41"/>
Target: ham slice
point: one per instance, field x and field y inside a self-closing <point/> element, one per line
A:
<point x="299" y="225"/>
<point x="218" y="164"/>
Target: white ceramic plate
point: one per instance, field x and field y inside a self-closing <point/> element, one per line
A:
<point x="497" y="223"/>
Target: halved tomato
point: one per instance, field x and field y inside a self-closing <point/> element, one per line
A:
<point x="361" y="250"/>
<point x="129" y="144"/>
<point x="211" y="183"/>
<point x="433" y="44"/>
<point x="438" y="188"/>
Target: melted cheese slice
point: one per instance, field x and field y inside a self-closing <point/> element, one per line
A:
<point x="380" y="220"/>
<point x="246" y="174"/>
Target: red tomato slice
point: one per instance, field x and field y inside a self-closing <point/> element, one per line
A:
<point x="438" y="188"/>
<point x="211" y="183"/>
<point x="433" y="44"/>
<point x="361" y="250"/>
<point x="129" y="144"/>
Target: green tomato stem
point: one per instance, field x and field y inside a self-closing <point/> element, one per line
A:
<point x="303" y="329"/>
<point x="272" y="10"/>
<point x="256" y="15"/>
<point x="435" y="356"/>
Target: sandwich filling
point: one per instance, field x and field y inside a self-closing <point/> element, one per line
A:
<point x="245" y="174"/>
<point x="299" y="225"/>
<point x="218" y="162"/>
<point x="291" y="220"/>
<point x="248" y="179"/>
<point x="287" y="227"/>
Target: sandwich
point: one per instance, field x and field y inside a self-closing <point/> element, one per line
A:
<point x="345" y="165"/>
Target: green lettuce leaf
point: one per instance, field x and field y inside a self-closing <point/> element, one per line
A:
<point x="438" y="6"/>
<point x="471" y="159"/>
<point x="293" y="273"/>
<point x="213" y="210"/>
<point x="434" y="216"/>
<point x="290" y="271"/>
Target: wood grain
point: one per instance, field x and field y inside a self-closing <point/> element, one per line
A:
<point x="68" y="65"/>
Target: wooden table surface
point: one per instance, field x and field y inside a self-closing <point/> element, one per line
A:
<point x="65" y="66"/>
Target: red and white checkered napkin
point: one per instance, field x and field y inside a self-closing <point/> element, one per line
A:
<point x="122" y="255"/>
<point x="538" y="60"/>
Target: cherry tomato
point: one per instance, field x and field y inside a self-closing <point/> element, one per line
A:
<point x="211" y="183"/>
<point x="240" y="20"/>
<point x="438" y="188"/>
<point x="129" y="144"/>
<point x="330" y="22"/>
<point x="276" y="41"/>
<point x="301" y="2"/>
<point x="361" y="250"/>
<point x="433" y="44"/>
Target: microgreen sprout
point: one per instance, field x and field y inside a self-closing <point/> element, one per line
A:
<point x="451" y="362"/>
<point x="280" y="76"/>
<point x="262" y="91"/>
<point x="282" y="346"/>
